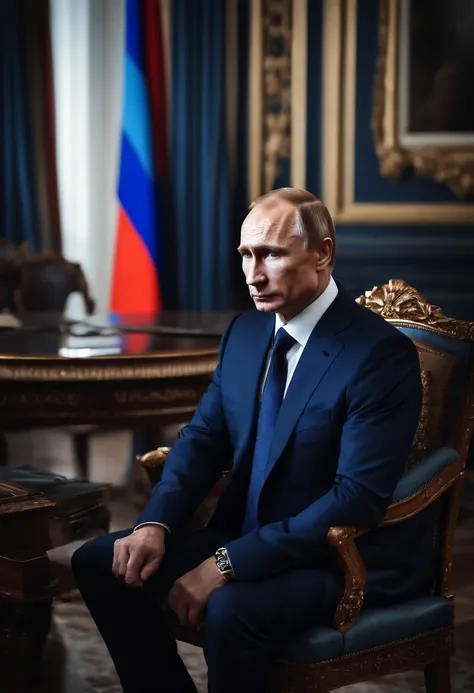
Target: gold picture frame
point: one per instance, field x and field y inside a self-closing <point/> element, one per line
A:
<point x="452" y="164"/>
<point x="339" y="92"/>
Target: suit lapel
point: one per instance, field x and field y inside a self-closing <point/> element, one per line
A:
<point x="323" y="346"/>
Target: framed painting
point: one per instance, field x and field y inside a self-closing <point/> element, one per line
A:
<point x="402" y="144"/>
<point x="423" y="118"/>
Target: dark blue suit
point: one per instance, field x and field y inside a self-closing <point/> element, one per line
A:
<point x="342" y="437"/>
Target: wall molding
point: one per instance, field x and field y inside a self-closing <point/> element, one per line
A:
<point x="299" y="82"/>
<point x="255" y="99"/>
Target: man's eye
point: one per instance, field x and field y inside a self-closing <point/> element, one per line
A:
<point x="272" y="254"/>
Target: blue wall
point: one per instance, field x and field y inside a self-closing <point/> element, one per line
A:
<point x="437" y="260"/>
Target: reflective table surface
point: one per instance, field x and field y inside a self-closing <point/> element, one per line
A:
<point x="115" y="371"/>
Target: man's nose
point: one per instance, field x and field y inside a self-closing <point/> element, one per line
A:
<point x="254" y="274"/>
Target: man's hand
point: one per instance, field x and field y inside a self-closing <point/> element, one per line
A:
<point x="190" y="593"/>
<point x="139" y="555"/>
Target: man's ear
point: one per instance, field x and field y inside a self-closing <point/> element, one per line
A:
<point x="324" y="254"/>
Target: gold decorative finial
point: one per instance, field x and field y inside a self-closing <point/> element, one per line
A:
<point x="399" y="302"/>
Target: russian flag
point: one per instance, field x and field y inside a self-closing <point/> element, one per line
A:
<point x="136" y="283"/>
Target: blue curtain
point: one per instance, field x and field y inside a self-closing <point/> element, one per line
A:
<point x="205" y="232"/>
<point x="241" y="298"/>
<point x="18" y="212"/>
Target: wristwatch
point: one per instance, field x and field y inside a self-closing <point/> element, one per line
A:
<point x="223" y="564"/>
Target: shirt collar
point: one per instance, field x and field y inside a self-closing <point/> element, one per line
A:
<point x="301" y="326"/>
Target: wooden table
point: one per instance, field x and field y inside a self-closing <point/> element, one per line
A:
<point x="135" y="372"/>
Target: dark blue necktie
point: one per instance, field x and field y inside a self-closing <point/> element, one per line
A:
<point x="272" y="397"/>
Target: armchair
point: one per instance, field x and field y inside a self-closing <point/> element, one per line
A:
<point x="368" y="642"/>
<point x="47" y="280"/>
<point x="45" y="283"/>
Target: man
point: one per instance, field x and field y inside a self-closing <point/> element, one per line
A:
<point x="312" y="408"/>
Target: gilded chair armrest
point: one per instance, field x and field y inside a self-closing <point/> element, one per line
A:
<point x="422" y="473"/>
<point x="418" y="488"/>
<point x="153" y="463"/>
<point x="355" y="576"/>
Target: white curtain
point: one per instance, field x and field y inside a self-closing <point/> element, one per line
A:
<point x="88" y="42"/>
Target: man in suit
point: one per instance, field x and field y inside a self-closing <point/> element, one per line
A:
<point x="313" y="407"/>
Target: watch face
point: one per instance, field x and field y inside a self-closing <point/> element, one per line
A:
<point x="222" y="562"/>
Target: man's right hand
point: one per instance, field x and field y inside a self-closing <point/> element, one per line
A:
<point x="139" y="555"/>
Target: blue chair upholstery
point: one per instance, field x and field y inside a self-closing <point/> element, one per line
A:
<point x="462" y="351"/>
<point x="375" y="628"/>
<point x="422" y="473"/>
<point x="381" y="626"/>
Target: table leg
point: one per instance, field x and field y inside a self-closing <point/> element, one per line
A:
<point x="23" y="632"/>
<point x="3" y="450"/>
<point x="81" y="451"/>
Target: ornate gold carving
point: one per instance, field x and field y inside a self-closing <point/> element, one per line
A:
<point x="154" y="458"/>
<point x="153" y="463"/>
<point x="451" y="165"/>
<point x="68" y="400"/>
<point x="162" y="453"/>
<point x="468" y="423"/>
<point x="399" y="302"/>
<point x="420" y="440"/>
<point x="167" y="395"/>
<point x="277" y="38"/>
<point x="355" y="577"/>
<point x="349" y="609"/>
<point x="59" y="370"/>
<point x="447" y="556"/>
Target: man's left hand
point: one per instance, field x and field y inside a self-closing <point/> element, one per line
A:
<point x="190" y="593"/>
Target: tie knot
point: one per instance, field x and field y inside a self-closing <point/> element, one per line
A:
<point x="283" y="341"/>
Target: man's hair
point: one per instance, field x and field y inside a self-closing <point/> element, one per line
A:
<point x="312" y="219"/>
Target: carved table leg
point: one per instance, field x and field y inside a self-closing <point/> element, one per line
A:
<point x="81" y="450"/>
<point x="438" y="675"/>
<point x="3" y="450"/>
<point x="23" y="632"/>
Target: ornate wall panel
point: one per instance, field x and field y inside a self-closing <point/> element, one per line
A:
<point x="277" y="110"/>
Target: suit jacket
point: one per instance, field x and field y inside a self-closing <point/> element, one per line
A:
<point x="342" y="436"/>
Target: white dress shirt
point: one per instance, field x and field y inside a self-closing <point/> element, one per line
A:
<point x="300" y="328"/>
